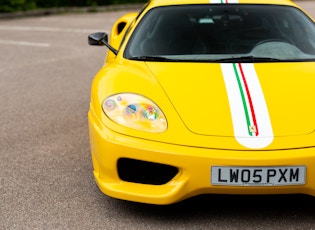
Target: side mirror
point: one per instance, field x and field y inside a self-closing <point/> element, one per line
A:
<point x="101" y="39"/>
<point x="96" y="39"/>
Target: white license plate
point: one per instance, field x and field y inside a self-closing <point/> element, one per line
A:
<point x="258" y="176"/>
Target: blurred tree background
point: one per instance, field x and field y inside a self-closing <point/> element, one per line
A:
<point x="23" y="5"/>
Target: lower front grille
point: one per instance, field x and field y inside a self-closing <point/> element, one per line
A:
<point x="144" y="172"/>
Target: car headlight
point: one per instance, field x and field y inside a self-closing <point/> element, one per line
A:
<point x="135" y="111"/>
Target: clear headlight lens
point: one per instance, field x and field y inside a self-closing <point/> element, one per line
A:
<point x="135" y="111"/>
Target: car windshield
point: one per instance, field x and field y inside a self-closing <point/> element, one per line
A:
<point x="223" y="33"/>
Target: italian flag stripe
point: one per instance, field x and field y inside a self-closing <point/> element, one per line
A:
<point x="247" y="100"/>
<point x="223" y="1"/>
<point x="249" y="112"/>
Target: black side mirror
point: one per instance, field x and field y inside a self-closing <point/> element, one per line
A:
<point x="96" y="39"/>
<point x="101" y="39"/>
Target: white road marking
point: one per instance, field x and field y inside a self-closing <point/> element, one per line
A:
<point x="24" y="43"/>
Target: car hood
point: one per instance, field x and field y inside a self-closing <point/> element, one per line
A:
<point x="280" y="99"/>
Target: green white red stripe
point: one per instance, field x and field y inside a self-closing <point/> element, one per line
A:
<point x="250" y="116"/>
<point x="224" y="1"/>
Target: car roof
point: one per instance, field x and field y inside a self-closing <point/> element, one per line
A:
<point x="154" y="3"/>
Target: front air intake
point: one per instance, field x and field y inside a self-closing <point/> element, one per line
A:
<point x="144" y="172"/>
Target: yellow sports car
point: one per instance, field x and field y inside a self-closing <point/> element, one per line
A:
<point x="205" y="96"/>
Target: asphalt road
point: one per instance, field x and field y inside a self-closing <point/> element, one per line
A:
<point x="46" y="182"/>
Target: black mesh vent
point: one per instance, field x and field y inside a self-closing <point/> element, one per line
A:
<point x="145" y="172"/>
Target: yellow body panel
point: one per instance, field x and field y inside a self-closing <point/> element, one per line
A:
<point x="200" y="131"/>
<point x="213" y="126"/>
<point x="194" y="164"/>
<point x="192" y="153"/>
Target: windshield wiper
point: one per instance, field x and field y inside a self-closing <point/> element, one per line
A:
<point x="246" y="59"/>
<point x="151" y="58"/>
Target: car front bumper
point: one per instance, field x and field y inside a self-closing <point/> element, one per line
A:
<point x="193" y="165"/>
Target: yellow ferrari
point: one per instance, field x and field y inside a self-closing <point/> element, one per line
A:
<point x="205" y="97"/>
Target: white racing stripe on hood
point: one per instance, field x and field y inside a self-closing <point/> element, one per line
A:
<point x="250" y="116"/>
